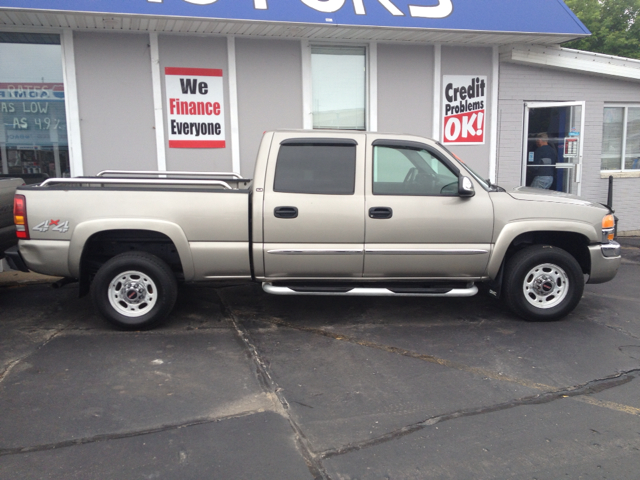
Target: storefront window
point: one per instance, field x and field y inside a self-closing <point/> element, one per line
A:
<point x="632" y="146"/>
<point x="339" y="87"/>
<point x="621" y="138"/>
<point x="33" y="130"/>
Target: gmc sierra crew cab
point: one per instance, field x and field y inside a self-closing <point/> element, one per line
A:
<point x="326" y="213"/>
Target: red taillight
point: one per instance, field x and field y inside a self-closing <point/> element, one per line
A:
<point x="20" y="216"/>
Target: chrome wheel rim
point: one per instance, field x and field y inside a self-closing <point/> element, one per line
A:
<point x="132" y="293"/>
<point x="545" y="286"/>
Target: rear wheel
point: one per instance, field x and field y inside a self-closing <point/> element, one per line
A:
<point x="134" y="291"/>
<point x="543" y="283"/>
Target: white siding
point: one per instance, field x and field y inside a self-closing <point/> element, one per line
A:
<point x="520" y="83"/>
<point x="115" y="96"/>
<point x="197" y="52"/>
<point x="405" y="89"/>
<point x="269" y="92"/>
<point x="471" y="61"/>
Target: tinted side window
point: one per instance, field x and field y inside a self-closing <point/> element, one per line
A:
<point x="409" y="171"/>
<point x="323" y="169"/>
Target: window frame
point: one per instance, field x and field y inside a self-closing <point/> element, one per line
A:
<point x="317" y="142"/>
<point x="623" y="151"/>
<point x="412" y="146"/>
<point x="34" y="37"/>
<point x="307" y="82"/>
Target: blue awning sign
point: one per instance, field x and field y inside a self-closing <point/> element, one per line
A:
<point x="516" y="16"/>
<point x="441" y="10"/>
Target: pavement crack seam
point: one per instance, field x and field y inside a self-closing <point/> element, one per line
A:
<point x="575" y="392"/>
<point x="5" y="373"/>
<point x="620" y="330"/>
<point x="411" y="354"/>
<point x="147" y="333"/>
<point x="117" y="436"/>
<point x="451" y="364"/>
<point x="273" y="389"/>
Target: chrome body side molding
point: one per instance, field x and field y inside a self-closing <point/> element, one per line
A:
<point x="314" y="251"/>
<point x="376" y="251"/>
<point x="424" y="251"/>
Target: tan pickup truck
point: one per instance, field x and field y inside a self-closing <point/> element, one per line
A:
<point x="327" y="213"/>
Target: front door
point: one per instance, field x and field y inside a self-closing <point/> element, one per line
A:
<point x="417" y="225"/>
<point x="553" y="145"/>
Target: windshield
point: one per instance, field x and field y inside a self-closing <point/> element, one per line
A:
<point x="485" y="183"/>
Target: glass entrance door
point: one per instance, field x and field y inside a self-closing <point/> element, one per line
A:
<point x="552" y="149"/>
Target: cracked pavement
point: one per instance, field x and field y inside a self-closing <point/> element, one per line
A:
<point x="239" y="384"/>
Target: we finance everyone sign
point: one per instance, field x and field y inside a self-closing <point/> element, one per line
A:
<point x="464" y="109"/>
<point x="195" y="112"/>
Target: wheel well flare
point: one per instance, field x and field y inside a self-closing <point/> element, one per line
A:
<point x="573" y="243"/>
<point x="105" y="245"/>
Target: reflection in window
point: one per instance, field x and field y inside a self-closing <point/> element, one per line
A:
<point x="33" y="129"/>
<point x="621" y="138"/>
<point x="409" y="171"/>
<point x="339" y="87"/>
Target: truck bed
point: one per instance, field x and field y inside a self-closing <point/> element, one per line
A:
<point x="206" y="220"/>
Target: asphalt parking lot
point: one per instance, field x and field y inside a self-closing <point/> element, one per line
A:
<point x="243" y="385"/>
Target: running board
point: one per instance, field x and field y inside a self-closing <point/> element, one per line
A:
<point x="371" y="291"/>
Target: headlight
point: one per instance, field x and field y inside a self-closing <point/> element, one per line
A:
<point x="608" y="228"/>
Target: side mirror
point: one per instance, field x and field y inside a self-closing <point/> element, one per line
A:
<point x="465" y="187"/>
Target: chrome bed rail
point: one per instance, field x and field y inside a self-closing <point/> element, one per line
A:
<point x="133" y="181"/>
<point x="172" y="173"/>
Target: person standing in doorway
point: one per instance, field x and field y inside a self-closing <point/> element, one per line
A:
<point x="546" y="157"/>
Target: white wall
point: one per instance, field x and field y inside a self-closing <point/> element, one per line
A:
<point x="196" y="52"/>
<point x="520" y="83"/>
<point x="269" y="92"/>
<point x="405" y="89"/>
<point x="472" y="61"/>
<point x="115" y="97"/>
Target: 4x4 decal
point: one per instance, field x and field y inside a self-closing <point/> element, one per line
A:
<point x="55" y="226"/>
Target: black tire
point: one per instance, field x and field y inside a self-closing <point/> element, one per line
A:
<point x="149" y="284"/>
<point x="543" y="283"/>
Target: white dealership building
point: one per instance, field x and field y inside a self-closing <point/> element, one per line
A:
<point x="193" y="84"/>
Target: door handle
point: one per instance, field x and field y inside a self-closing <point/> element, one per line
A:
<point x="285" y="212"/>
<point x="380" y="212"/>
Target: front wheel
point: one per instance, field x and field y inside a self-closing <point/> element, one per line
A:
<point x="543" y="283"/>
<point x="134" y="291"/>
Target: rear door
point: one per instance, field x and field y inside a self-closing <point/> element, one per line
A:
<point x="313" y="206"/>
<point x="417" y="225"/>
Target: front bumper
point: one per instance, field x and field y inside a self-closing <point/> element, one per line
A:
<point x="605" y="261"/>
<point x="15" y="260"/>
